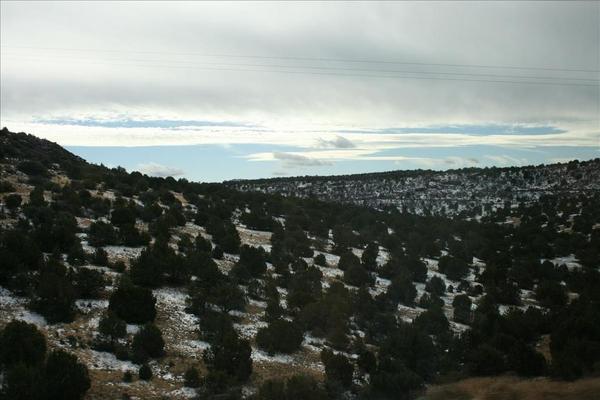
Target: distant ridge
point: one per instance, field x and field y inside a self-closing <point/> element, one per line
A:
<point x="470" y="191"/>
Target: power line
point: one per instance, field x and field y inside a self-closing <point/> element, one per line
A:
<point x="311" y="59"/>
<point x="331" y="74"/>
<point x="325" y="68"/>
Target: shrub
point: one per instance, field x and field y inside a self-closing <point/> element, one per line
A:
<point x="76" y="255"/>
<point x="525" y="361"/>
<point x="148" y="343"/>
<point x="119" y="266"/>
<point x="417" y="268"/>
<point x="229" y="358"/>
<point x="100" y="257"/>
<point x="402" y="290"/>
<point x="202" y="244"/>
<point x="21" y="343"/>
<point x="145" y="373"/>
<point x="88" y="283"/>
<point x="36" y="197"/>
<point x="102" y="234"/>
<point x="66" y="378"/>
<point x="13" y="201"/>
<point x="54" y="294"/>
<point x="191" y="378"/>
<point x="436" y="286"/>
<point x="298" y="387"/>
<point x="158" y="264"/>
<point x="486" y="361"/>
<point x="357" y="275"/>
<point x="127" y="376"/>
<point x="551" y="294"/>
<point x="280" y="336"/>
<point x="337" y="369"/>
<point x="393" y="380"/>
<point x="347" y="260"/>
<point x="133" y="304"/>
<point x="433" y="321"/>
<point x="22" y="382"/>
<point x="462" y="309"/>
<point x="112" y="326"/>
<point x="369" y="256"/>
<point x="252" y="259"/>
<point x="217" y="253"/>
<point x="33" y="168"/>
<point x="454" y="268"/>
<point x="6" y="187"/>
<point x="367" y="361"/>
<point x="320" y="260"/>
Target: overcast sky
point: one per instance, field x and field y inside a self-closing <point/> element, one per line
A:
<point x="219" y="91"/>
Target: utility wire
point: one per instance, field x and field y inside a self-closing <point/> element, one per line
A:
<point x="309" y="59"/>
<point x="296" y="72"/>
<point x="325" y="68"/>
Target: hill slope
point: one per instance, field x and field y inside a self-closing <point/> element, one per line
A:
<point x="269" y="296"/>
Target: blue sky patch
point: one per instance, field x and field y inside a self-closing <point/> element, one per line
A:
<point x="141" y="123"/>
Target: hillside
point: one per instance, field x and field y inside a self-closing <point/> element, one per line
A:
<point x="467" y="192"/>
<point x="165" y="288"/>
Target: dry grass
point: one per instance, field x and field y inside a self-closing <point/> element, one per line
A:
<point x="110" y="385"/>
<point x="510" y="388"/>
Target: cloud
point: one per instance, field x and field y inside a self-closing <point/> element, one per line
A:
<point x="506" y="160"/>
<point x="339" y="142"/>
<point x="460" y="161"/>
<point x="163" y="171"/>
<point x="164" y="68"/>
<point x="473" y="129"/>
<point x="291" y="160"/>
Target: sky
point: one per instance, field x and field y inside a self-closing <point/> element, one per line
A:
<point x="220" y="91"/>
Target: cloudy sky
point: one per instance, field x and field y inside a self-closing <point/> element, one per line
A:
<point x="245" y="90"/>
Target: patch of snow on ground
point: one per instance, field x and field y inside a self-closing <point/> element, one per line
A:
<point x="83" y="223"/>
<point x="357" y="252"/>
<point x="86" y="306"/>
<point x="31" y="317"/>
<point x="231" y="257"/>
<point x="123" y="252"/>
<point x="503" y="309"/>
<point x="94" y="322"/>
<point x="248" y="331"/>
<point x="189" y="346"/>
<point x="108" y="361"/>
<point x="381" y="286"/>
<point x="185" y="392"/>
<point x="570" y="261"/>
<point x="331" y="259"/>
<point x="8" y="299"/>
<point x="383" y="256"/>
<point x="266" y="247"/>
<point x="180" y="326"/>
<point x="132" y="329"/>
<point x="16" y="307"/>
<point x="257" y="303"/>
<point x="331" y="272"/>
<point x="408" y="314"/>
<point x="253" y="237"/>
<point x="260" y="356"/>
<point x="458" y="327"/>
<point x="313" y="343"/>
